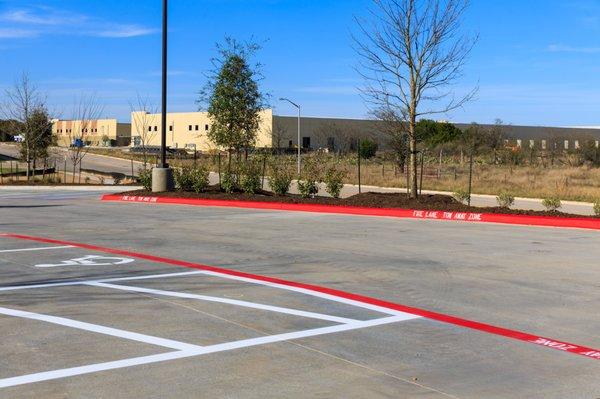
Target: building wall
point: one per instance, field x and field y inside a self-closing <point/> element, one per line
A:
<point x="91" y="132"/>
<point x="320" y="133"/>
<point x="545" y="138"/>
<point x="342" y="134"/>
<point x="186" y="129"/>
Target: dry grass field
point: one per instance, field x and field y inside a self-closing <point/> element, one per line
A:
<point x="567" y="182"/>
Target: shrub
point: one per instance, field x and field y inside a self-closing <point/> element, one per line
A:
<point x="334" y="181"/>
<point x="184" y="179"/>
<point x="367" y="149"/>
<point x="145" y="178"/>
<point x="552" y="204"/>
<point x="308" y="188"/>
<point x="281" y="176"/>
<point x="462" y="196"/>
<point x="309" y="178"/>
<point x="229" y="181"/>
<point x="200" y="179"/>
<point x="505" y="200"/>
<point x="597" y="207"/>
<point x="250" y="178"/>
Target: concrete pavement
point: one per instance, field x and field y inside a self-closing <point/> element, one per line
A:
<point x="537" y="280"/>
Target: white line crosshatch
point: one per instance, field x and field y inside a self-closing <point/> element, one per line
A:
<point x="177" y="349"/>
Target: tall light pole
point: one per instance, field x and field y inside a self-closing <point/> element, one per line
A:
<point x="162" y="176"/>
<point x="163" y="139"/>
<point x="299" y="148"/>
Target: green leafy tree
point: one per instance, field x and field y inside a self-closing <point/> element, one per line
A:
<point x="37" y="137"/>
<point x="433" y="134"/>
<point x="367" y="149"/>
<point x="233" y="97"/>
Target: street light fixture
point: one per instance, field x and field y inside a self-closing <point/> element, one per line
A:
<point x="299" y="149"/>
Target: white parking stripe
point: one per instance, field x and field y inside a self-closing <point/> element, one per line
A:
<point x="235" y="302"/>
<point x="317" y="294"/>
<point x="147" y="339"/>
<point x="93" y="368"/>
<point x="68" y="283"/>
<point x="35" y="249"/>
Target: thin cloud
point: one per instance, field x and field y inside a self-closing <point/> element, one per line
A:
<point x="33" y="22"/>
<point x="125" y="31"/>
<point x="13" y="33"/>
<point x="48" y="17"/>
<point x="559" y="48"/>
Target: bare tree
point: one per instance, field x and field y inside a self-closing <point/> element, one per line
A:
<point x="278" y="134"/>
<point x="86" y="112"/>
<point x="394" y="127"/>
<point x="143" y="119"/>
<point x="26" y="112"/>
<point x="345" y="137"/>
<point x="411" y="53"/>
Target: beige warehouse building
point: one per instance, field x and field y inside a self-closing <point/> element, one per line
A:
<point x="190" y="130"/>
<point x="187" y="130"/>
<point x="92" y="132"/>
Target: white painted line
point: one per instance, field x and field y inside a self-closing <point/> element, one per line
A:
<point x="305" y="334"/>
<point x="35" y="249"/>
<point x="329" y="297"/>
<point x="152" y="276"/>
<point x="93" y="368"/>
<point x="235" y="302"/>
<point x="147" y="339"/>
<point x="49" y="285"/>
<point x="84" y="282"/>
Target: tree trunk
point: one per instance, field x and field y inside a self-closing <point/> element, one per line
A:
<point x="413" y="159"/>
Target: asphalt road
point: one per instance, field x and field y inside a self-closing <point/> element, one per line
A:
<point x="90" y="161"/>
<point x="539" y="280"/>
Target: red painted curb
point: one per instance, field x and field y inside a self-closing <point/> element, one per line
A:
<point x="448" y="319"/>
<point x="524" y="220"/>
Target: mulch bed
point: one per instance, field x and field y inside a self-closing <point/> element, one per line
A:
<point x="368" y="200"/>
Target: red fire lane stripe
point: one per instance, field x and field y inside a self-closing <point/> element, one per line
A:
<point x="527" y="220"/>
<point x="490" y="329"/>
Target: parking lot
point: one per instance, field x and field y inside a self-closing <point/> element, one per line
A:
<point x="136" y="300"/>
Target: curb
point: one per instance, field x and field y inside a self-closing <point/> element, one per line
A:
<point x="523" y="220"/>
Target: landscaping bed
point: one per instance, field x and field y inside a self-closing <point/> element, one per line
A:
<point x="366" y="200"/>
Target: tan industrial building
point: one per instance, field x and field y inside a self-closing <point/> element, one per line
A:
<point x="187" y="130"/>
<point x="190" y="130"/>
<point x="92" y="132"/>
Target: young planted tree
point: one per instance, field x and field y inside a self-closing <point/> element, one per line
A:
<point x="143" y="119"/>
<point x="38" y="138"/>
<point x="85" y="112"/>
<point x="411" y="53"/>
<point x="232" y="97"/>
<point x="26" y="112"/>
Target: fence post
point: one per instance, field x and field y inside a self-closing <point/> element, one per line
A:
<point x="1" y="174"/>
<point x="264" y="170"/>
<point x="65" y="171"/>
<point x="470" y="175"/>
<point x="219" y="170"/>
<point x="359" y="183"/>
<point x="422" y="169"/>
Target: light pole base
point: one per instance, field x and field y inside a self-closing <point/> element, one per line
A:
<point x="162" y="180"/>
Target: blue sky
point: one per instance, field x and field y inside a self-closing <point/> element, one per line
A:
<point x="537" y="62"/>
